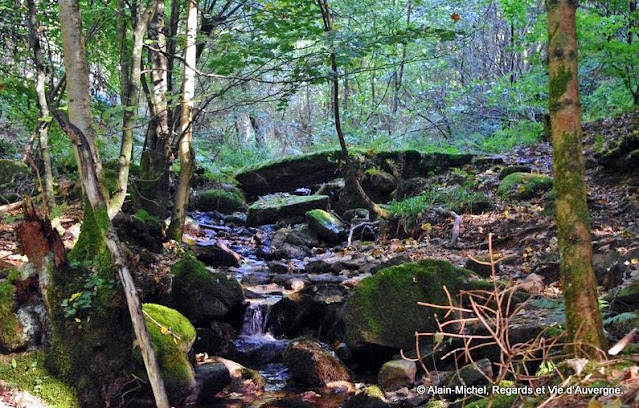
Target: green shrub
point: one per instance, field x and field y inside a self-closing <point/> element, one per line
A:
<point x="522" y="133"/>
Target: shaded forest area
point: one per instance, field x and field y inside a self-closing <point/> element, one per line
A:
<point x="319" y="204"/>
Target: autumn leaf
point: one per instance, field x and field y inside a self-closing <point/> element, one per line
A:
<point x="77" y="320"/>
<point x="14" y="363"/>
<point x="455" y="17"/>
<point x="164" y="331"/>
<point x="75" y="296"/>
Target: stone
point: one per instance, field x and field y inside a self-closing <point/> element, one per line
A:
<point x="325" y="225"/>
<point x="284" y="208"/>
<point x="211" y="378"/>
<point x="203" y="296"/>
<point x="313" y="363"/>
<point x="369" y="397"/>
<point x="215" y="254"/>
<point x="140" y="229"/>
<point x="226" y="200"/>
<point x="289" y="174"/>
<point x="523" y="186"/>
<point x="479" y="373"/>
<point x="243" y="380"/>
<point x="311" y="310"/>
<point x="383" y="311"/>
<point x="356" y="213"/>
<point x="378" y="184"/>
<point x="172" y="336"/>
<point x="396" y="374"/>
<point x="507" y="171"/>
<point x="480" y="269"/>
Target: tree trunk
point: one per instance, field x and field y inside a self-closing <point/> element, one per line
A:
<point x="131" y="74"/>
<point x="583" y="319"/>
<point x="43" y="105"/>
<point x="89" y="169"/>
<point x="350" y="168"/>
<point x="187" y="156"/>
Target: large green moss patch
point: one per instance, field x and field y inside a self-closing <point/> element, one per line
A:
<point x="225" y="200"/>
<point x="524" y="185"/>
<point x="383" y="308"/>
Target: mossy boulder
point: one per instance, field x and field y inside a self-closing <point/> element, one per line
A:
<point x="369" y="397"/>
<point x="285" y="208"/>
<point x="140" y="229"/>
<point x="326" y="225"/>
<point x="289" y="174"/>
<point x="15" y="180"/>
<point x="203" y="296"/>
<point x="378" y="184"/>
<point x="395" y="374"/>
<point x="225" y="200"/>
<point x="313" y="363"/>
<point x="172" y="336"/>
<point x="523" y="186"/>
<point x="383" y="309"/>
<point x="626" y="299"/>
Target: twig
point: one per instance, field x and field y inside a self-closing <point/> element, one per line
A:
<point x="361" y="225"/>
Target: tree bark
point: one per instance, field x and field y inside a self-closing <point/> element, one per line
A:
<point x="43" y="105"/>
<point x="89" y="168"/>
<point x="350" y="168"/>
<point x="186" y="154"/>
<point x="130" y="71"/>
<point x="583" y="319"/>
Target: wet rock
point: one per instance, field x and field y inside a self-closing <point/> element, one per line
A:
<point x="243" y="380"/>
<point x="326" y="278"/>
<point x="325" y="264"/>
<point x="215" y="340"/>
<point x="396" y="374"/>
<point x="356" y="213"/>
<point x="237" y="219"/>
<point x="203" y="296"/>
<point x="507" y="171"/>
<point x="259" y="350"/>
<point x="312" y="310"/>
<point x="369" y="397"/>
<point x="325" y="225"/>
<point x="225" y="200"/>
<point x="278" y="267"/>
<point x="213" y="254"/>
<point x="383" y="310"/>
<point x="211" y="378"/>
<point x="291" y="281"/>
<point x="284" y="208"/>
<point x="313" y="363"/>
<point x="523" y="186"/>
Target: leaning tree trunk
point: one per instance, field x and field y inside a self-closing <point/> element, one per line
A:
<point x="350" y="168"/>
<point x="89" y="168"/>
<point x="187" y="156"/>
<point x="583" y="319"/>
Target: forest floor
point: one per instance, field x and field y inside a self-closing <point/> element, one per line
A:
<point x="523" y="232"/>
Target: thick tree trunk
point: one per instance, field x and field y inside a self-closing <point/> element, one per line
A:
<point x="350" y="168"/>
<point x="43" y="105"/>
<point x="89" y="169"/>
<point x="583" y="319"/>
<point x="187" y="156"/>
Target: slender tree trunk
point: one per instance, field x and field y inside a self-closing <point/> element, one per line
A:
<point x="187" y="156"/>
<point x="131" y="74"/>
<point x="43" y="105"/>
<point x="350" y="168"/>
<point x="583" y="319"/>
<point x="89" y="169"/>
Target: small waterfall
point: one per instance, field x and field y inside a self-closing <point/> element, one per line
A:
<point x="254" y="320"/>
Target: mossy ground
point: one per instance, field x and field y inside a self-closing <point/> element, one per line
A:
<point x="524" y="185"/>
<point x="30" y="375"/>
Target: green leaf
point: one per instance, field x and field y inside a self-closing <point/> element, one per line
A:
<point x="14" y="363"/>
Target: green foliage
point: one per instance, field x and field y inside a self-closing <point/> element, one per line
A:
<point x="224" y="200"/>
<point x="27" y="372"/>
<point x="84" y="298"/>
<point x="450" y="198"/>
<point x="522" y="133"/>
<point x="524" y="185"/>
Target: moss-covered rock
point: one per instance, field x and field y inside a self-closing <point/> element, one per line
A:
<point x="313" y="363"/>
<point x="140" y="229"/>
<point x="15" y="180"/>
<point x="172" y="336"/>
<point x="30" y="375"/>
<point x="370" y="397"/>
<point x="202" y="295"/>
<point x="383" y="309"/>
<point x="225" y="200"/>
<point x="522" y="186"/>
<point x="326" y="225"/>
<point x="11" y="335"/>
<point x="284" y="208"/>
<point x="395" y="374"/>
<point x="625" y="299"/>
<point x="378" y="184"/>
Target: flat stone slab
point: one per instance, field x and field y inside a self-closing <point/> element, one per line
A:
<point x="269" y="210"/>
